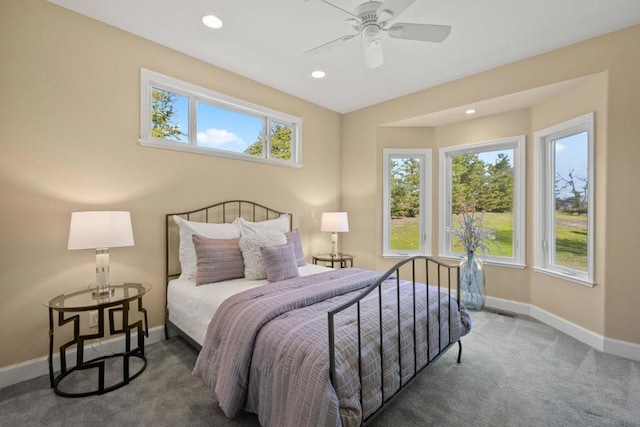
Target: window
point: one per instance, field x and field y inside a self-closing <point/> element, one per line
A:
<point x="181" y="116"/>
<point x="488" y="177"/>
<point x="564" y="200"/>
<point x="407" y="192"/>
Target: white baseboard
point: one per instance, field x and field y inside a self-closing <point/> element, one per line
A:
<point x="607" y="345"/>
<point x="19" y="372"/>
<point x="507" y="305"/>
<point x="622" y="348"/>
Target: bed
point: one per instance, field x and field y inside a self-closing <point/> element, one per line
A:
<point x="314" y="346"/>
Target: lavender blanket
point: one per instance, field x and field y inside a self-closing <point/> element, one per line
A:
<point x="266" y="349"/>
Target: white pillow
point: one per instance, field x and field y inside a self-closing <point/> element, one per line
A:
<point x="250" y="246"/>
<point x="187" y="253"/>
<point x="278" y="225"/>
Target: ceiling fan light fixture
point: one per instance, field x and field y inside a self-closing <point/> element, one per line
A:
<point x="212" y="21"/>
<point x="373" y="56"/>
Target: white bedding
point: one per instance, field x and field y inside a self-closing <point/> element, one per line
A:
<point x="191" y="307"/>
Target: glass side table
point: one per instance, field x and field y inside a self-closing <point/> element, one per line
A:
<point x="117" y="307"/>
<point x="343" y="260"/>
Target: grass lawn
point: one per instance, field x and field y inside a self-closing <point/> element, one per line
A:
<point x="571" y="241"/>
<point x="405" y="234"/>
<point x="571" y="237"/>
<point x="503" y="223"/>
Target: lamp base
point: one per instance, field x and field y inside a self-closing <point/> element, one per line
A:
<point x="334" y="244"/>
<point x="103" y="293"/>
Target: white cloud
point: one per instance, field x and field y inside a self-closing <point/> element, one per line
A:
<point x="560" y="147"/>
<point x="216" y="137"/>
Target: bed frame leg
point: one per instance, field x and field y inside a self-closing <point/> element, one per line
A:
<point x="459" y="350"/>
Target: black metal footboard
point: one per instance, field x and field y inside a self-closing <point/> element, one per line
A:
<point x="438" y="275"/>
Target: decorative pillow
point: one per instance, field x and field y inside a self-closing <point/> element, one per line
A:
<point x="278" y="225"/>
<point x="293" y="237"/>
<point x="217" y="259"/>
<point x="187" y="253"/>
<point x="250" y="246"/>
<point x="279" y="262"/>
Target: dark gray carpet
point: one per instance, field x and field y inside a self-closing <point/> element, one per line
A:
<point x="514" y="372"/>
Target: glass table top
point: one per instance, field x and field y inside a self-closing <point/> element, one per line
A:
<point x="82" y="299"/>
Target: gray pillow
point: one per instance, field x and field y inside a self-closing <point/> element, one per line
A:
<point x="217" y="259"/>
<point x="250" y="246"/>
<point x="279" y="262"/>
<point x="293" y="237"/>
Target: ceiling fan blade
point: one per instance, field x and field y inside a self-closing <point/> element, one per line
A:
<point x="329" y="44"/>
<point x="420" y="32"/>
<point x="373" y="57"/>
<point x="390" y="9"/>
<point x="339" y="8"/>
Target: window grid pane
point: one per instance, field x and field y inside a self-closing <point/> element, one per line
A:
<point x="570" y="202"/>
<point x="483" y="181"/>
<point x="229" y="130"/>
<point x="169" y="115"/>
<point x="405" y="230"/>
<point x="280" y="140"/>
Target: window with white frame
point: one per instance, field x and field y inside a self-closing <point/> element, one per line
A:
<point x="181" y="116"/>
<point x="488" y="179"/>
<point x="564" y="200"/>
<point x="407" y="195"/>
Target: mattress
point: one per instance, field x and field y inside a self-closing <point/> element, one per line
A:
<point x="192" y="307"/>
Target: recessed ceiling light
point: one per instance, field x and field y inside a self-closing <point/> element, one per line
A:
<point x="212" y="21"/>
<point x="470" y="111"/>
<point x="318" y="74"/>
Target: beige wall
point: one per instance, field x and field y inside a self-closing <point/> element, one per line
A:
<point x="69" y="124"/>
<point x="612" y="91"/>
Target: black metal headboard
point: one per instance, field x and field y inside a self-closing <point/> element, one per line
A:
<point x="224" y="212"/>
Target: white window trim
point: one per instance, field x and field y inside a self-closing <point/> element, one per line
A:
<point x="150" y="79"/>
<point x="517" y="143"/>
<point x="426" y="167"/>
<point x="543" y="217"/>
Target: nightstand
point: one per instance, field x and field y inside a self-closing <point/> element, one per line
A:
<point x="68" y="307"/>
<point x="341" y="259"/>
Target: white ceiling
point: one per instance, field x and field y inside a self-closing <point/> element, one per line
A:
<point x="264" y="40"/>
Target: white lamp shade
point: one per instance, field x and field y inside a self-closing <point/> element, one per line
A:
<point x="100" y="229"/>
<point x="334" y="222"/>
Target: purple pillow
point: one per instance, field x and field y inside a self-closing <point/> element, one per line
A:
<point x="217" y="259"/>
<point x="279" y="262"/>
<point x="293" y="237"/>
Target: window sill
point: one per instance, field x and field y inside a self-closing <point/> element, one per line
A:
<point x="559" y="275"/>
<point x="188" y="148"/>
<point x="489" y="262"/>
<point x="403" y="256"/>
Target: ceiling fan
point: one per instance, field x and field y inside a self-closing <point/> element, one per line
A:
<point x="372" y="18"/>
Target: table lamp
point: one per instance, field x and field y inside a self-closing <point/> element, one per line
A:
<point x="334" y="222"/>
<point x="100" y="230"/>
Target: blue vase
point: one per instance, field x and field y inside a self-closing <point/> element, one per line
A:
<point x="472" y="282"/>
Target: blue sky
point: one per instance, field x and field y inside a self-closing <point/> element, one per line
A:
<point x="572" y="154"/>
<point x="218" y="128"/>
<point x="490" y="157"/>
